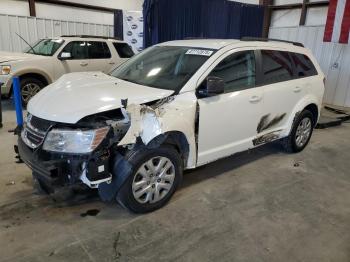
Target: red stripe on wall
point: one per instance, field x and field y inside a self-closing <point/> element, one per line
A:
<point x="328" y="31"/>
<point x="345" y="25"/>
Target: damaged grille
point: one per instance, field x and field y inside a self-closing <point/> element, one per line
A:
<point x="35" y="130"/>
<point x="40" y="124"/>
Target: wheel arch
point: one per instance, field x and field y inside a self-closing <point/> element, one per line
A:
<point x="314" y="110"/>
<point x="309" y="102"/>
<point x="176" y="139"/>
<point x="38" y="76"/>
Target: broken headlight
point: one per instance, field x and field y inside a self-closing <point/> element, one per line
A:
<point x="74" y="141"/>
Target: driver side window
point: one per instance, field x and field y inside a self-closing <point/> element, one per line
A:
<point x="237" y="71"/>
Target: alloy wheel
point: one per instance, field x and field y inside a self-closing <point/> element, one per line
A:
<point x="28" y="91"/>
<point x="303" y="132"/>
<point x="153" y="180"/>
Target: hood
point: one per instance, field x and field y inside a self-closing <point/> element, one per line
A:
<point x="77" y="95"/>
<point x="10" y="56"/>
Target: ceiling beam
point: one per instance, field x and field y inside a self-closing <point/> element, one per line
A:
<point x="299" y="5"/>
<point x="267" y="17"/>
<point x="303" y="12"/>
<point x="77" y="5"/>
<point x="32" y="7"/>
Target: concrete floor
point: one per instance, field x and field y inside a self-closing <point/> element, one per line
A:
<point x="263" y="205"/>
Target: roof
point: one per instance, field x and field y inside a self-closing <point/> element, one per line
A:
<point x="220" y="43"/>
<point x="202" y="43"/>
<point x="90" y="37"/>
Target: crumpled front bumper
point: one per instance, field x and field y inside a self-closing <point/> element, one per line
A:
<point x="56" y="171"/>
<point x="51" y="173"/>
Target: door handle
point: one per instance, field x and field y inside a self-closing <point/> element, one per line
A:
<point x="255" y="99"/>
<point x="297" y="89"/>
<point x="84" y="63"/>
<point x="111" y="63"/>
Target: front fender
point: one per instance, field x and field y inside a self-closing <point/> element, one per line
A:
<point x="176" y="114"/>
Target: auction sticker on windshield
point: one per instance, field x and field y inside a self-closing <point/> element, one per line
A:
<point x="199" y="52"/>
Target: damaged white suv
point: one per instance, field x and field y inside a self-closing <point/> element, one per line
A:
<point x="175" y="106"/>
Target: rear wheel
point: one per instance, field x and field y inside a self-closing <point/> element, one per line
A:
<point x="301" y="132"/>
<point x="30" y="87"/>
<point x="156" y="174"/>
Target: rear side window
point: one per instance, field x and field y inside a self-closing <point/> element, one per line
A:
<point x="303" y="65"/>
<point x="123" y="50"/>
<point x="277" y="66"/>
<point x="77" y="49"/>
<point x="98" y="50"/>
<point x="237" y="71"/>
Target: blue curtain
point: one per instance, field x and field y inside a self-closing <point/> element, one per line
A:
<point x="166" y="20"/>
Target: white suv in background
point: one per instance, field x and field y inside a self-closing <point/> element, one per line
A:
<point x="48" y="59"/>
<point x="177" y="105"/>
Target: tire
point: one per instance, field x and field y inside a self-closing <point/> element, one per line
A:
<point x="161" y="185"/>
<point x="30" y="86"/>
<point x="294" y="143"/>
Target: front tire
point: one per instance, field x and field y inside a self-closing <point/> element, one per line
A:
<point x="156" y="174"/>
<point x="301" y="132"/>
<point x="30" y="86"/>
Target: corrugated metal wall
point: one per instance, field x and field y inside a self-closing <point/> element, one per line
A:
<point x="333" y="58"/>
<point x="32" y="29"/>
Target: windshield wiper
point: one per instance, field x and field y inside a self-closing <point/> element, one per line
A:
<point x="27" y="44"/>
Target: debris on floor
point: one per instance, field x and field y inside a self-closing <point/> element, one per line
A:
<point x="90" y="212"/>
<point x="117" y="254"/>
<point x="332" y="116"/>
<point x="11" y="183"/>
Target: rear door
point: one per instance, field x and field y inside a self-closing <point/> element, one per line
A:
<point x="100" y="57"/>
<point x="122" y="52"/>
<point x="282" y="91"/>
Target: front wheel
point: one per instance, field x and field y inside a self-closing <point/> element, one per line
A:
<point x="301" y="132"/>
<point x="30" y="87"/>
<point x="155" y="175"/>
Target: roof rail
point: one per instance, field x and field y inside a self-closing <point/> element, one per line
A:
<point x="270" y="39"/>
<point x="93" y="36"/>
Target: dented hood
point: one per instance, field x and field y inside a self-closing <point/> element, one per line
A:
<point x="77" y="95"/>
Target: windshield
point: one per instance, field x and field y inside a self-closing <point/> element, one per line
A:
<point x="164" y="67"/>
<point x="45" y="47"/>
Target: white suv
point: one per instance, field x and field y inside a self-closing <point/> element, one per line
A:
<point x="48" y="59"/>
<point x="177" y="105"/>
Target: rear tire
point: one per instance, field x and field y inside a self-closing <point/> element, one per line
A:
<point x="30" y="86"/>
<point x="301" y="132"/>
<point x="156" y="174"/>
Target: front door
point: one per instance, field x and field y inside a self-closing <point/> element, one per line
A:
<point x="77" y="62"/>
<point x="228" y="122"/>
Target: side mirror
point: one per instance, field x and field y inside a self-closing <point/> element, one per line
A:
<point x="65" y="56"/>
<point x="214" y="86"/>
